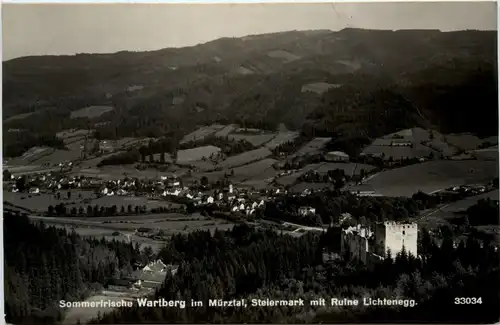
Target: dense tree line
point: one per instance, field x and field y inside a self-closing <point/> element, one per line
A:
<point x="17" y="143"/>
<point x="331" y="204"/>
<point x="45" y="264"/>
<point x="248" y="263"/>
<point x="122" y="158"/>
<point x="484" y="212"/>
<point x="337" y="177"/>
<point x="227" y="145"/>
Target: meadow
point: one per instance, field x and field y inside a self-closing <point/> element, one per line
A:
<point x="432" y="176"/>
<point x="91" y="111"/>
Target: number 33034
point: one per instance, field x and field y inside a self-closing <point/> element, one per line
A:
<point x="468" y="301"/>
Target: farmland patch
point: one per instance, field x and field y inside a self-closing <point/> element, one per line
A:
<point x="486" y="154"/>
<point x="313" y="146"/>
<point x="283" y="55"/>
<point x="349" y="169"/>
<point x="245" y="158"/>
<point x="17" y="117"/>
<point x="31" y="156"/>
<point x="257" y="140"/>
<point x="318" y="87"/>
<point x="432" y="176"/>
<point x="254" y="169"/>
<point x="91" y="111"/>
<point x="464" y="141"/>
<point x="226" y="130"/>
<point x="280" y="138"/>
<point x="194" y="154"/>
<point x="201" y="133"/>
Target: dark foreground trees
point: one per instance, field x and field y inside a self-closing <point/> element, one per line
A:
<point x="44" y="265"/>
<point x="247" y="263"/>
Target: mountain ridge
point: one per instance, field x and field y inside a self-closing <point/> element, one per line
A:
<point x="259" y="79"/>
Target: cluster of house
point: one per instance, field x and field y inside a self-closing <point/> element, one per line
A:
<point x="234" y="200"/>
<point x="148" y="278"/>
<point x="371" y="245"/>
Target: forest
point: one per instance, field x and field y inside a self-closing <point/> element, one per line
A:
<point x="249" y="263"/>
<point x="45" y="264"/>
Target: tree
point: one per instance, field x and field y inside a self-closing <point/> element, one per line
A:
<point x="6" y="175"/>
<point x="21" y="183"/>
<point x="204" y="181"/>
<point x="162" y="157"/>
<point x="69" y="195"/>
<point x="50" y="210"/>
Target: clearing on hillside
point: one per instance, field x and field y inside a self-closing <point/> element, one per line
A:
<point x="226" y="130"/>
<point x="257" y="140"/>
<point x="17" y="117"/>
<point x="280" y="138"/>
<point x="194" y="154"/>
<point x="245" y="158"/>
<point x="284" y="55"/>
<point x="319" y="87"/>
<point x="31" y="156"/>
<point x="464" y="141"/>
<point x="312" y="147"/>
<point x="432" y="176"/>
<point x="201" y="133"/>
<point x="91" y="111"/>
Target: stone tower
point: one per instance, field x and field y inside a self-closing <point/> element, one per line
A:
<point x="394" y="236"/>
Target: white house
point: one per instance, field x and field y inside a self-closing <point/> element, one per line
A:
<point x="34" y="190"/>
<point x="304" y="211"/>
<point x="210" y="200"/>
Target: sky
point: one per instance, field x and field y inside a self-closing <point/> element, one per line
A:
<point x="40" y="29"/>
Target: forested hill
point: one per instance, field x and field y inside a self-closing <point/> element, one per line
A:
<point x="445" y="80"/>
<point x="44" y="265"/>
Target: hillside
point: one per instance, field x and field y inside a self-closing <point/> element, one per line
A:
<point x="384" y="80"/>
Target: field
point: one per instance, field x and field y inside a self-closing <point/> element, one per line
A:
<point x="31" y="156"/>
<point x="73" y="133"/>
<point x="200" y="165"/>
<point x="432" y="176"/>
<point x="245" y="158"/>
<point x="318" y="87"/>
<point x="257" y="140"/>
<point x="201" y="133"/>
<point x="91" y="111"/>
<point x="312" y="147"/>
<point x="119" y="172"/>
<point x="447" y="212"/>
<point x="398" y="152"/>
<point x="280" y="138"/>
<point x="188" y="155"/>
<point x="257" y="169"/>
<point x="170" y="223"/>
<point x="463" y="141"/>
<point x="42" y="201"/>
<point x="284" y="55"/>
<point x="486" y="154"/>
<point x="17" y="117"/>
<point x="26" y="170"/>
<point x="302" y="186"/>
<point x="350" y="169"/>
<point x="226" y="130"/>
<point x="58" y="156"/>
<point x="470" y="201"/>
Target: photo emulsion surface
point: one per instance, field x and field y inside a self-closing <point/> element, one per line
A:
<point x="250" y="163"/>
